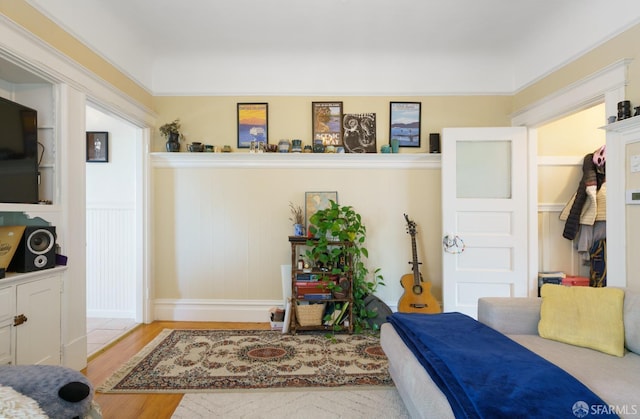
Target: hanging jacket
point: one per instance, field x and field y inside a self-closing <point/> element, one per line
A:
<point x="593" y="176"/>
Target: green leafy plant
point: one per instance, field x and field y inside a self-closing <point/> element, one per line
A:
<point x="338" y="249"/>
<point x="170" y="128"/>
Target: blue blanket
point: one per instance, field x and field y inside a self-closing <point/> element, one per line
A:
<point x="484" y="374"/>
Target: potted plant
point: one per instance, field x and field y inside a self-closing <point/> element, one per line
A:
<point x="171" y="131"/>
<point x="297" y="219"/>
<point x="343" y="224"/>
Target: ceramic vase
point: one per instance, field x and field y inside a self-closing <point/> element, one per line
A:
<point x="173" y="142"/>
<point x="283" y="146"/>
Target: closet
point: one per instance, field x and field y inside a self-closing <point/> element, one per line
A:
<point x="585" y="217"/>
<point x="563" y="147"/>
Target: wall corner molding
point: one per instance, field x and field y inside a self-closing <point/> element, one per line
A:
<point x="578" y="95"/>
<point x="24" y="49"/>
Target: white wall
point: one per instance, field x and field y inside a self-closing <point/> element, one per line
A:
<point x="111" y="204"/>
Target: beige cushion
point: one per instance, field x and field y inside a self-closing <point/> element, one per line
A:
<point x="583" y="316"/>
<point x="632" y="321"/>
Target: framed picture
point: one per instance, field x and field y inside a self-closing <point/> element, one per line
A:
<point x="360" y="133"/>
<point x="97" y="147"/>
<point x="404" y="123"/>
<point x="252" y="124"/>
<point x="326" y="120"/>
<point x="315" y="201"/>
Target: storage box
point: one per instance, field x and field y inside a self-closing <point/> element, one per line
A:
<point x="276" y="318"/>
<point x="276" y="325"/>
<point x="310" y="315"/>
<point x="550" y="278"/>
<point x="576" y="281"/>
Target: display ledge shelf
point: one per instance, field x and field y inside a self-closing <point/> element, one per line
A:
<point x="29" y="208"/>
<point x="625" y="124"/>
<point x="298" y="160"/>
<point x="12" y="277"/>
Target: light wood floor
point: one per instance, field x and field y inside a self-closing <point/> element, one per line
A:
<point x="141" y="406"/>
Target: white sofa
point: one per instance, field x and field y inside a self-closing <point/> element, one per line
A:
<point x="615" y="379"/>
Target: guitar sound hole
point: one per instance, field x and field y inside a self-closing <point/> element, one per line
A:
<point x="417" y="289"/>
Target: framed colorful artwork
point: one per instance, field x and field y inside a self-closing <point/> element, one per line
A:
<point x="404" y="123"/>
<point x="327" y="123"/>
<point x="253" y="121"/>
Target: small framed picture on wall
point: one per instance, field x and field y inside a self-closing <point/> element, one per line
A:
<point x="404" y="123"/>
<point x="97" y="147"/>
<point x="253" y="121"/>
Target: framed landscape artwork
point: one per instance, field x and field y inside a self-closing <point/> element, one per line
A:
<point x="404" y="123"/>
<point x="327" y="122"/>
<point x="252" y="124"/>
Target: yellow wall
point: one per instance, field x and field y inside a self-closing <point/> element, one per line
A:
<point x="221" y="233"/>
<point x="574" y="135"/>
<point x="255" y="201"/>
<point x="213" y="119"/>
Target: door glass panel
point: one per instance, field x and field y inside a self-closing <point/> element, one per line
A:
<point x="483" y="169"/>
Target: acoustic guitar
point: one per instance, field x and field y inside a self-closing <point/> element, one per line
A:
<point x="417" y="296"/>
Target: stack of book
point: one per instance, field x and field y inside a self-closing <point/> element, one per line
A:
<point x="308" y="287"/>
<point x="337" y="316"/>
<point x="550" y="278"/>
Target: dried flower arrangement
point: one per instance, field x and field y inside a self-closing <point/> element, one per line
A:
<point x="297" y="217"/>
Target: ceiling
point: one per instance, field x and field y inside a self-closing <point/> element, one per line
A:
<point x="343" y="46"/>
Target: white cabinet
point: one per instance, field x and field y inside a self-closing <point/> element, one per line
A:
<point x="30" y="309"/>
<point x="7" y="310"/>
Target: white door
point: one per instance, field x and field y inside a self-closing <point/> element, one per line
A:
<point x="484" y="215"/>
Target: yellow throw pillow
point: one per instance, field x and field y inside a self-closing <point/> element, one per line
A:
<point x="583" y="316"/>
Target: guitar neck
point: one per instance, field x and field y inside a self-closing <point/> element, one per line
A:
<point x="414" y="249"/>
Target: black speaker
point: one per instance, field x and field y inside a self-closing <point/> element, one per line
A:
<point x="434" y="143"/>
<point x="36" y="251"/>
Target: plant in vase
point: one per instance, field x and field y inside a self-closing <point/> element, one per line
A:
<point x="297" y="219"/>
<point x="344" y="224"/>
<point x="171" y="131"/>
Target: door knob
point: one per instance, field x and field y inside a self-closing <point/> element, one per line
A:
<point x="19" y="319"/>
<point x="452" y="244"/>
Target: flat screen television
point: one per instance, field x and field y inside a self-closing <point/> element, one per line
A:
<point x="18" y="153"/>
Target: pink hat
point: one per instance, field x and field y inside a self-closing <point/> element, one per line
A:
<point x="599" y="156"/>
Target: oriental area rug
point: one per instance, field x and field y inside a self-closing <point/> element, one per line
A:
<point x="190" y="361"/>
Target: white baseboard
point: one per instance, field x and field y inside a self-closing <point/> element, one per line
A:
<point x="217" y="310"/>
<point x="75" y="353"/>
<point x="214" y="310"/>
<point x="111" y="314"/>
